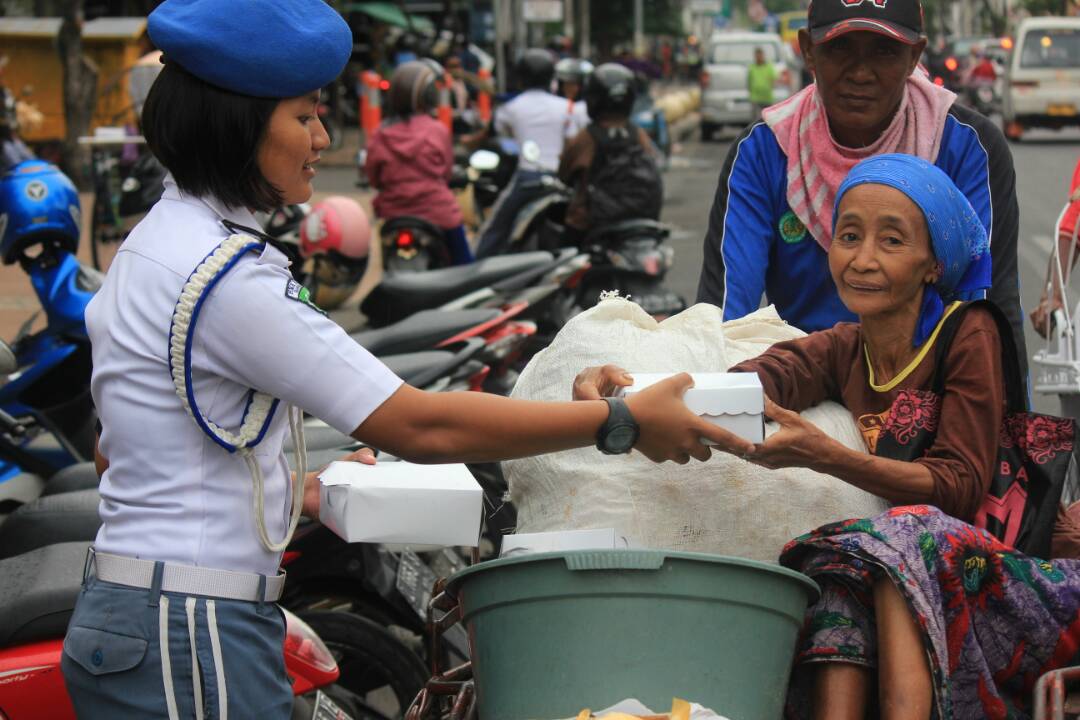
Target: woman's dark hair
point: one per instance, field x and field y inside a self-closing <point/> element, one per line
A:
<point x="208" y="138"/>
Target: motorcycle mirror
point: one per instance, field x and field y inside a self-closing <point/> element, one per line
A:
<point x="530" y="151"/>
<point x="8" y="363"/>
<point x="484" y="160"/>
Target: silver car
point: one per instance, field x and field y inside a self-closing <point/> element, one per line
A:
<point x="1042" y="84"/>
<point x="725" y="99"/>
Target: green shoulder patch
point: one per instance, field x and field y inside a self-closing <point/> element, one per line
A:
<point x="791" y="228"/>
<point x="299" y="293"/>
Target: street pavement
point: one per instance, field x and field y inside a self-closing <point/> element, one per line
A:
<point x="1044" y="164"/>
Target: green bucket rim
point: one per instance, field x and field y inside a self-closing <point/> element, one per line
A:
<point x="455" y="581"/>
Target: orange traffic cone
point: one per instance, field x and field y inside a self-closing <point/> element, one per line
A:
<point x="370" y="102"/>
<point x="483" y="99"/>
<point x="446" y="108"/>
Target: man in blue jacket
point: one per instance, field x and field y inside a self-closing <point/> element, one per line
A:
<point x="770" y="224"/>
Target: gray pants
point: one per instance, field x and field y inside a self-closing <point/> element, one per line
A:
<point x="223" y="658"/>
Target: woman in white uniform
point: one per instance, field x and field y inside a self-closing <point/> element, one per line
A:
<point x="206" y="351"/>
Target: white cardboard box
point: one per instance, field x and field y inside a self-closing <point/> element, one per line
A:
<point x="399" y="502"/>
<point x="560" y="541"/>
<point x="733" y="401"/>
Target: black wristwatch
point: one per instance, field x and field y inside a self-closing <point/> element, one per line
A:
<point x="619" y="433"/>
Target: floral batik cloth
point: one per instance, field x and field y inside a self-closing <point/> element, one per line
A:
<point x="992" y="619"/>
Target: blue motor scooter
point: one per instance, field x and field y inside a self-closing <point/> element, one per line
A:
<point x="49" y="392"/>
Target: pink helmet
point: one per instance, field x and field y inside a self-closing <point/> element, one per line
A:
<point x="336" y="223"/>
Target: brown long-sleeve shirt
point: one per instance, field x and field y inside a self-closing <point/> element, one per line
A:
<point x="832" y="365"/>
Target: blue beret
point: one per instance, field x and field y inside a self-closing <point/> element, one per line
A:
<point x="265" y="48"/>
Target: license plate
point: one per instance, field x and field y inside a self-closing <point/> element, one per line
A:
<point x="1061" y="110"/>
<point x="415" y="581"/>
<point x="327" y="709"/>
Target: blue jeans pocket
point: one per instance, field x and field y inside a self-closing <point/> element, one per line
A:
<point x="101" y="652"/>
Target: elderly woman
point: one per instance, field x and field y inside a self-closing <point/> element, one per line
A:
<point x="769" y="227"/>
<point x="918" y="594"/>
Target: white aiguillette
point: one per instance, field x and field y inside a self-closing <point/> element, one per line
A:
<point x="733" y="401"/>
<point x="399" y="502"/>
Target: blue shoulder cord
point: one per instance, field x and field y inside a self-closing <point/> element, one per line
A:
<point x="260" y="407"/>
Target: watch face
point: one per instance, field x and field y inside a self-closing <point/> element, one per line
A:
<point x="620" y="439"/>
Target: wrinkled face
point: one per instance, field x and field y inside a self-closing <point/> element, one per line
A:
<point x="291" y="145"/>
<point x="880" y="257"/>
<point x="860" y="78"/>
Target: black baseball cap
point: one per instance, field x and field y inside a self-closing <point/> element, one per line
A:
<point x="901" y="20"/>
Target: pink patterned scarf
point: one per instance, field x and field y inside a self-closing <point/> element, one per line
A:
<point x="817" y="164"/>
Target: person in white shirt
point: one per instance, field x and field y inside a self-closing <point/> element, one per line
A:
<point x="206" y="351"/>
<point x="570" y="76"/>
<point x="536" y="117"/>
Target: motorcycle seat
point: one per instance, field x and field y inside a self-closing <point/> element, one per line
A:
<point x="321" y="437"/>
<point x="51" y="519"/>
<point x="629" y="228"/>
<point x="403" y="294"/>
<point x="421" y="368"/>
<point x="410" y="221"/>
<point x="80" y="476"/>
<point x="39" y="591"/>
<point x="422" y="331"/>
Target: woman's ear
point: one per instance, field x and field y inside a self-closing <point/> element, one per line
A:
<point x="935" y="273"/>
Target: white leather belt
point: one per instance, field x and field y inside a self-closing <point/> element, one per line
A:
<point x="187" y="579"/>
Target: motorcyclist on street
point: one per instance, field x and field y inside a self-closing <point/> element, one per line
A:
<point x="536" y="117"/>
<point x="410" y="158"/>
<point x="570" y="77"/>
<point x="609" y="95"/>
<point x="980" y="74"/>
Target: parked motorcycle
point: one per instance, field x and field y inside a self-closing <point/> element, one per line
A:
<point x="36" y="602"/>
<point x="48" y="390"/>
<point x="630" y="257"/>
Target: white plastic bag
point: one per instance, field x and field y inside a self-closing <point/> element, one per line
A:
<point x="726" y="506"/>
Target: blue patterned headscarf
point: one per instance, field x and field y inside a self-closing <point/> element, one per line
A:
<point x="957" y="236"/>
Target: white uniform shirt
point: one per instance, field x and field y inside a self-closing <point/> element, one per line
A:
<point x="542" y="117"/>
<point x="170" y="492"/>
<point x="580" y="118"/>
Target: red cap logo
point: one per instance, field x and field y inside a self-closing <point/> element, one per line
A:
<point x="856" y="3"/>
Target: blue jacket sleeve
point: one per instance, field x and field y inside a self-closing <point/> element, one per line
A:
<point x="741" y="224"/>
<point x="977" y="158"/>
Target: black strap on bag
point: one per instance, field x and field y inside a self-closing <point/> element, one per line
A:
<point x="1015" y="399"/>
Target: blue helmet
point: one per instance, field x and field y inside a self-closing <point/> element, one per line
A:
<point x="38" y="203"/>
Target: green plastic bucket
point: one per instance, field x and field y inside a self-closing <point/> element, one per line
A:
<point x="553" y="633"/>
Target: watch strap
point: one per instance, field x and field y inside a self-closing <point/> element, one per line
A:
<point x="619" y="415"/>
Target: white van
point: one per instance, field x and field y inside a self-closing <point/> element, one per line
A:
<point x="1042" y="83"/>
<point x="725" y="98"/>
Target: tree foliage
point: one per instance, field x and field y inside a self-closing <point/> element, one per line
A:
<point x="612" y="21"/>
<point x="1050" y="7"/>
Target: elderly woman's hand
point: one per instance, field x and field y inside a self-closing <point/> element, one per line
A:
<point x="594" y="383"/>
<point x="798" y="443"/>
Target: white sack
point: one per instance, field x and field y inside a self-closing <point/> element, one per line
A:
<point x="726" y="506"/>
